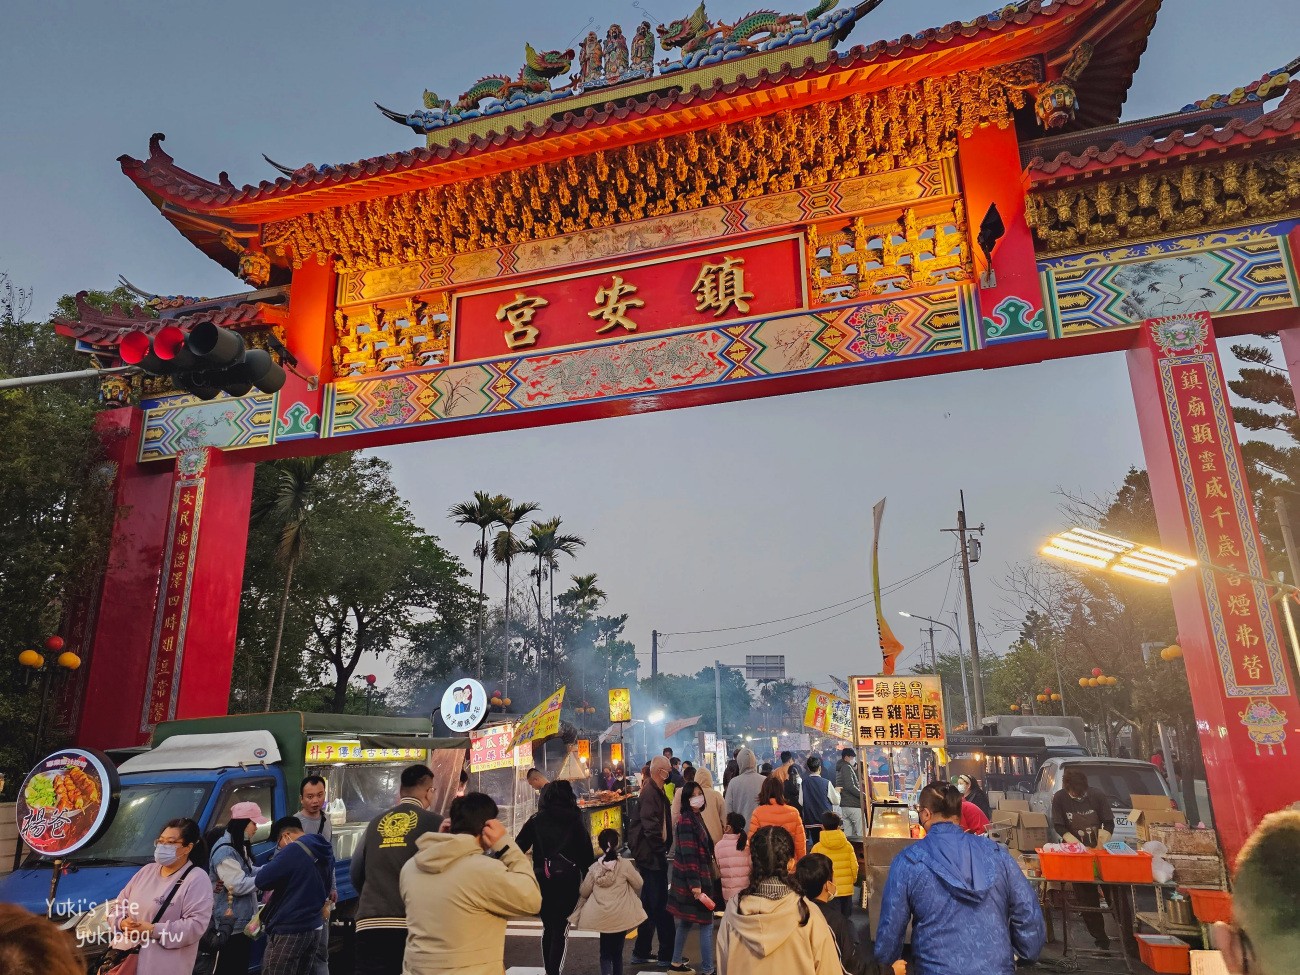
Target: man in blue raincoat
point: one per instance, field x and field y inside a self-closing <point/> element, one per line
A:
<point x="971" y="908"/>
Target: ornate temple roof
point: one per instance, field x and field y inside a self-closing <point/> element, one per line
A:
<point x="105" y="329"/>
<point x="1140" y="147"/>
<point x="202" y="209"/>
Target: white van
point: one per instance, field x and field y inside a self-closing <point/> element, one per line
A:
<point x="1119" y="778"/>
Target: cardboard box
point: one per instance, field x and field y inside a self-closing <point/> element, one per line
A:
<point x="996" y="797"/>
<point x="1003" y="826"/>
<point x="1148" y="810"/>
<point x="1016" y="805"/>
<point x="1032" y="831"/>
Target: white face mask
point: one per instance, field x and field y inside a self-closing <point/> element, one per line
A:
<point x="961" y="787"/>
<point x="697" y="802"/>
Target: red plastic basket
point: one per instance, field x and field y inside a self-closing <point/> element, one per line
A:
<point x="1068" y="866"/>
<point x="1210" y="905"/>
<point x="1164" y="954"/>
<point x="1133" y="868"/>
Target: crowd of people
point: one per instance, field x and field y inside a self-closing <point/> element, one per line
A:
<point x="760" y="888"/>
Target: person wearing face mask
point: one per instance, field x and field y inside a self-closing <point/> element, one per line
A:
<point x="970" y="791"/>
<point x="299" y="878"/>
<point x="690" y="903"/>
<point x="234" y="891"/>
<point x="164" y="910"/>
<point x="376" y="870"/>
<point x="963" y="895"/>
<point x="1083" y="815"/>
<point x="849" y="783"/>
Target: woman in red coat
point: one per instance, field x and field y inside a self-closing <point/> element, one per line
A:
<point x="689" y="902"/>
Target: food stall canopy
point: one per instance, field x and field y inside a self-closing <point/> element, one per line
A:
<point x="614" y="731"/>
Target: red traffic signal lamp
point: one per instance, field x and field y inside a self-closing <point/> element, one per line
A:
<point x="208" y="361"/>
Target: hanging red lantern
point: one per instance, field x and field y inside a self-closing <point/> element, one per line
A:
<point x="54" y="644"/>
<point x="1097" y="671"/>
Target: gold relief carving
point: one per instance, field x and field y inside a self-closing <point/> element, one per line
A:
<point x="1149" y="205"/>
<point x="866" y="259"/>
<point x="860" y="135"/>
<point x="386" y="338"/>
<point x="519" y="314"/>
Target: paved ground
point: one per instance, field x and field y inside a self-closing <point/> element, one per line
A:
<point x="523" y="955"/>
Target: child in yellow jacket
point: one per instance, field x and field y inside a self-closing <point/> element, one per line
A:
<point x="834" y="844"/>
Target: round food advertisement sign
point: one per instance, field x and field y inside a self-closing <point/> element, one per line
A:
<point x="464" y="704"/>
<point x="67" y="801"/>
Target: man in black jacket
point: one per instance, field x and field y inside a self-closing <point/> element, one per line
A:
<point x="653" y="836"/>
<point x="849" y="783"/>
<point x="389" y="841"/>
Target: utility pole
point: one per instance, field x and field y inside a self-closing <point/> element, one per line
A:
<point x="934" y="654"/>
<point x="977" y="679"/>
<point x="717" y="694"/>
<point x="654" y="653"/>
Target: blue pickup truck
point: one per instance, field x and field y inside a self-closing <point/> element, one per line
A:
<point x="200" y="768"/>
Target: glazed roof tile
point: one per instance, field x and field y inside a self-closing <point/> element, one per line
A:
<point x="106" y="328"/>
<point x="1120" y="44"/>
<point x="1283" y="121"/>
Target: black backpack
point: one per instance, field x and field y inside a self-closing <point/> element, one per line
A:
<point x="556" y="866"/>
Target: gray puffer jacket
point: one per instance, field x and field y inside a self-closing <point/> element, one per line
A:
<point x="742" y="792"/>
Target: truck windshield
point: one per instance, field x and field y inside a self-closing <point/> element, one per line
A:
<point x="142" y="811"/>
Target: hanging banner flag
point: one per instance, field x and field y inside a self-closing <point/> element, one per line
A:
<point x="890" y="647"/>
<point x="681" y="724"/>
<point x="541" y="722"/>
<point x="829" y="714"/>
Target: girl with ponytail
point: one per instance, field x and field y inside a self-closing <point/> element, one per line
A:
<point x="770" y="928"/>
<point x="609" y="902"/>
<point x="733" y="857"/>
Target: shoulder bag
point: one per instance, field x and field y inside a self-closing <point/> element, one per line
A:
<point x="121" y="961"/>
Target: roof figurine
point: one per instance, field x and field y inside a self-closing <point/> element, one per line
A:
<point x="614" y="60"/>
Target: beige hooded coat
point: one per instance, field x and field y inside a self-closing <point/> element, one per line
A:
<point x="609" y="900"/>
<point x="714" y="812"/>
<point x="457" y="902"/>
<point x="768" y="938"/>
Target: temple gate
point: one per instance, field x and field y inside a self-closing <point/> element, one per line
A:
<point x="761" y="211"/>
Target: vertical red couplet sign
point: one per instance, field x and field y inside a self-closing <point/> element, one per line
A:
<point x="1245" y="704"/>
<point x="171" y="619"/>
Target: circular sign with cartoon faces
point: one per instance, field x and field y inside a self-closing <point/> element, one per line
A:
<point x="464" y="704"/>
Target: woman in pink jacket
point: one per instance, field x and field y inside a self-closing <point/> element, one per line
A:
<point x="732" y="855"/>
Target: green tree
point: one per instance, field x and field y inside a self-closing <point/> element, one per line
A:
<point x="505" y="549"/>
<point x="547" y="543"/>
<point x="484" y="512"/>
<point x="56" y="503"/>
<point x="287" y="512"/>
<point x="1270" y="439"/>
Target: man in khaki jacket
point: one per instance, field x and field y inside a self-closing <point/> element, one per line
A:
<point x="459" y="890"/>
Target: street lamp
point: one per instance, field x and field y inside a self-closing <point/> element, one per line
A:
<point x="34" y="659"/>
<point x="1098" y="551"/>
<point x="961" y="661"/>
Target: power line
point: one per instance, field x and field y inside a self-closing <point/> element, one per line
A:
<point x="783" y="619"/>
<point x="861" y="600"/>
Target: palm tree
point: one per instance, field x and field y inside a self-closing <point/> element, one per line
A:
<point x="547" y="543"/>
<point x="483" y="512"/>
<point x="504" y="549"/>
<point x="584" y="595"/>
<point x="288" y="513"/>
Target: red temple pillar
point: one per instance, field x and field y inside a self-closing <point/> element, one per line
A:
<point x="161" y="641"/>
<point x="991" y="173"/>
<point x="1247" y="713"/>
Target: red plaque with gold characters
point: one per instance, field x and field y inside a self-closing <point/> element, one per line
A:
<point x="67" y="801"/>
<point x="676" y="291"/>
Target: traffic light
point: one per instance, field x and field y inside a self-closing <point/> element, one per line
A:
<point x="210" y="360"/>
